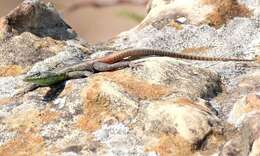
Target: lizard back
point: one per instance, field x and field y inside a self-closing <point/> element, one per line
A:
<point x="115" y="57"/>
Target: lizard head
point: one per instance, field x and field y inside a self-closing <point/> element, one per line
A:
<point x="45" y="78"/>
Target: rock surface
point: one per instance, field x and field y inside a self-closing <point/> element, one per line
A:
<point x="163" y="106"/>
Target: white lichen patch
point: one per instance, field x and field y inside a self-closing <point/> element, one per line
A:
<point x="6" y="134"/>
<point x="121" y="141"/>
<point x="8" y="86"/>
<point x="60" y="102"/>
<point x="237" y="113"/>
<point x="56" y="130"/>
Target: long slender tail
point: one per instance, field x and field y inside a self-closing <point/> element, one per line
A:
<point x="148" y="52"/>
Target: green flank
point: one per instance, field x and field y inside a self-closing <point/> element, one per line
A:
<point x="45" y="78"/>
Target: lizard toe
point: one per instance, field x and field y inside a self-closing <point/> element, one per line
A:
<point x="136" y="65"/>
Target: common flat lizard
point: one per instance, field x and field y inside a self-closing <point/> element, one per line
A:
<point x="107" y="63"/>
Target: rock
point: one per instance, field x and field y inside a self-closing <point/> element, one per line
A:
<point x="246" y="91"/>
<point x="159" y="106"/>
<point x="214" y="13"/>
<point x="255" y="148"/>
<point x="40" y="19"/>
<point x="31" y="33"/>
<point x="27" y="49"/>
<point x="247" y="139"/>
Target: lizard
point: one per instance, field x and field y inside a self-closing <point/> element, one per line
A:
<point x="107" y="63"/>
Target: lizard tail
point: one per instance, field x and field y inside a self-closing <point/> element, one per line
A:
<point x="148" y="52"/>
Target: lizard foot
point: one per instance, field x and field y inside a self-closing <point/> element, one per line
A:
<point x="136" y="65"/>
<point x="22" y="91"/>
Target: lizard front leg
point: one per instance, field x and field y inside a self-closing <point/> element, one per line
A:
<point x="22" y="91"/>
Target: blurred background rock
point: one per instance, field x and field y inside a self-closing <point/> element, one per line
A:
<point x="94" y="24"/>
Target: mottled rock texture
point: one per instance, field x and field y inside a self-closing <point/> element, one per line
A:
<point x="162" y="106"/>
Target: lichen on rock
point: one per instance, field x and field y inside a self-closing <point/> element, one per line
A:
<point x="162" y="106"/>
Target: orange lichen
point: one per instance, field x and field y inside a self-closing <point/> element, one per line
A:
<point x="31" y="118"/>
<point x="186" y="101"/>
<point x="49" y="44"/>
<point x="170" y="144"/>
<point x="252" y="103"/>
<point x="26" y="119"/>
<point x="46" y="116"/>
<point x="137" y="87"/>
<point x="4" y="101"/>
<point x="11" y="70"/>
<point x="25" y="144"/>
<point x="225" y="10"/>
<point x="95" y="108"/>
<point x="27" y="124"/>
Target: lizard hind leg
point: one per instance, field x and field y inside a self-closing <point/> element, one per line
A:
<point x="78" y="74"/>
<point x="134" y="65"/>
<point x="100" y="66"/>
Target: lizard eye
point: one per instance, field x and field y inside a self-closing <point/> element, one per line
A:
<point x="36" y="74"/>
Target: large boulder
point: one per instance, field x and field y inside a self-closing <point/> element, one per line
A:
<point x="162" y="106"/>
